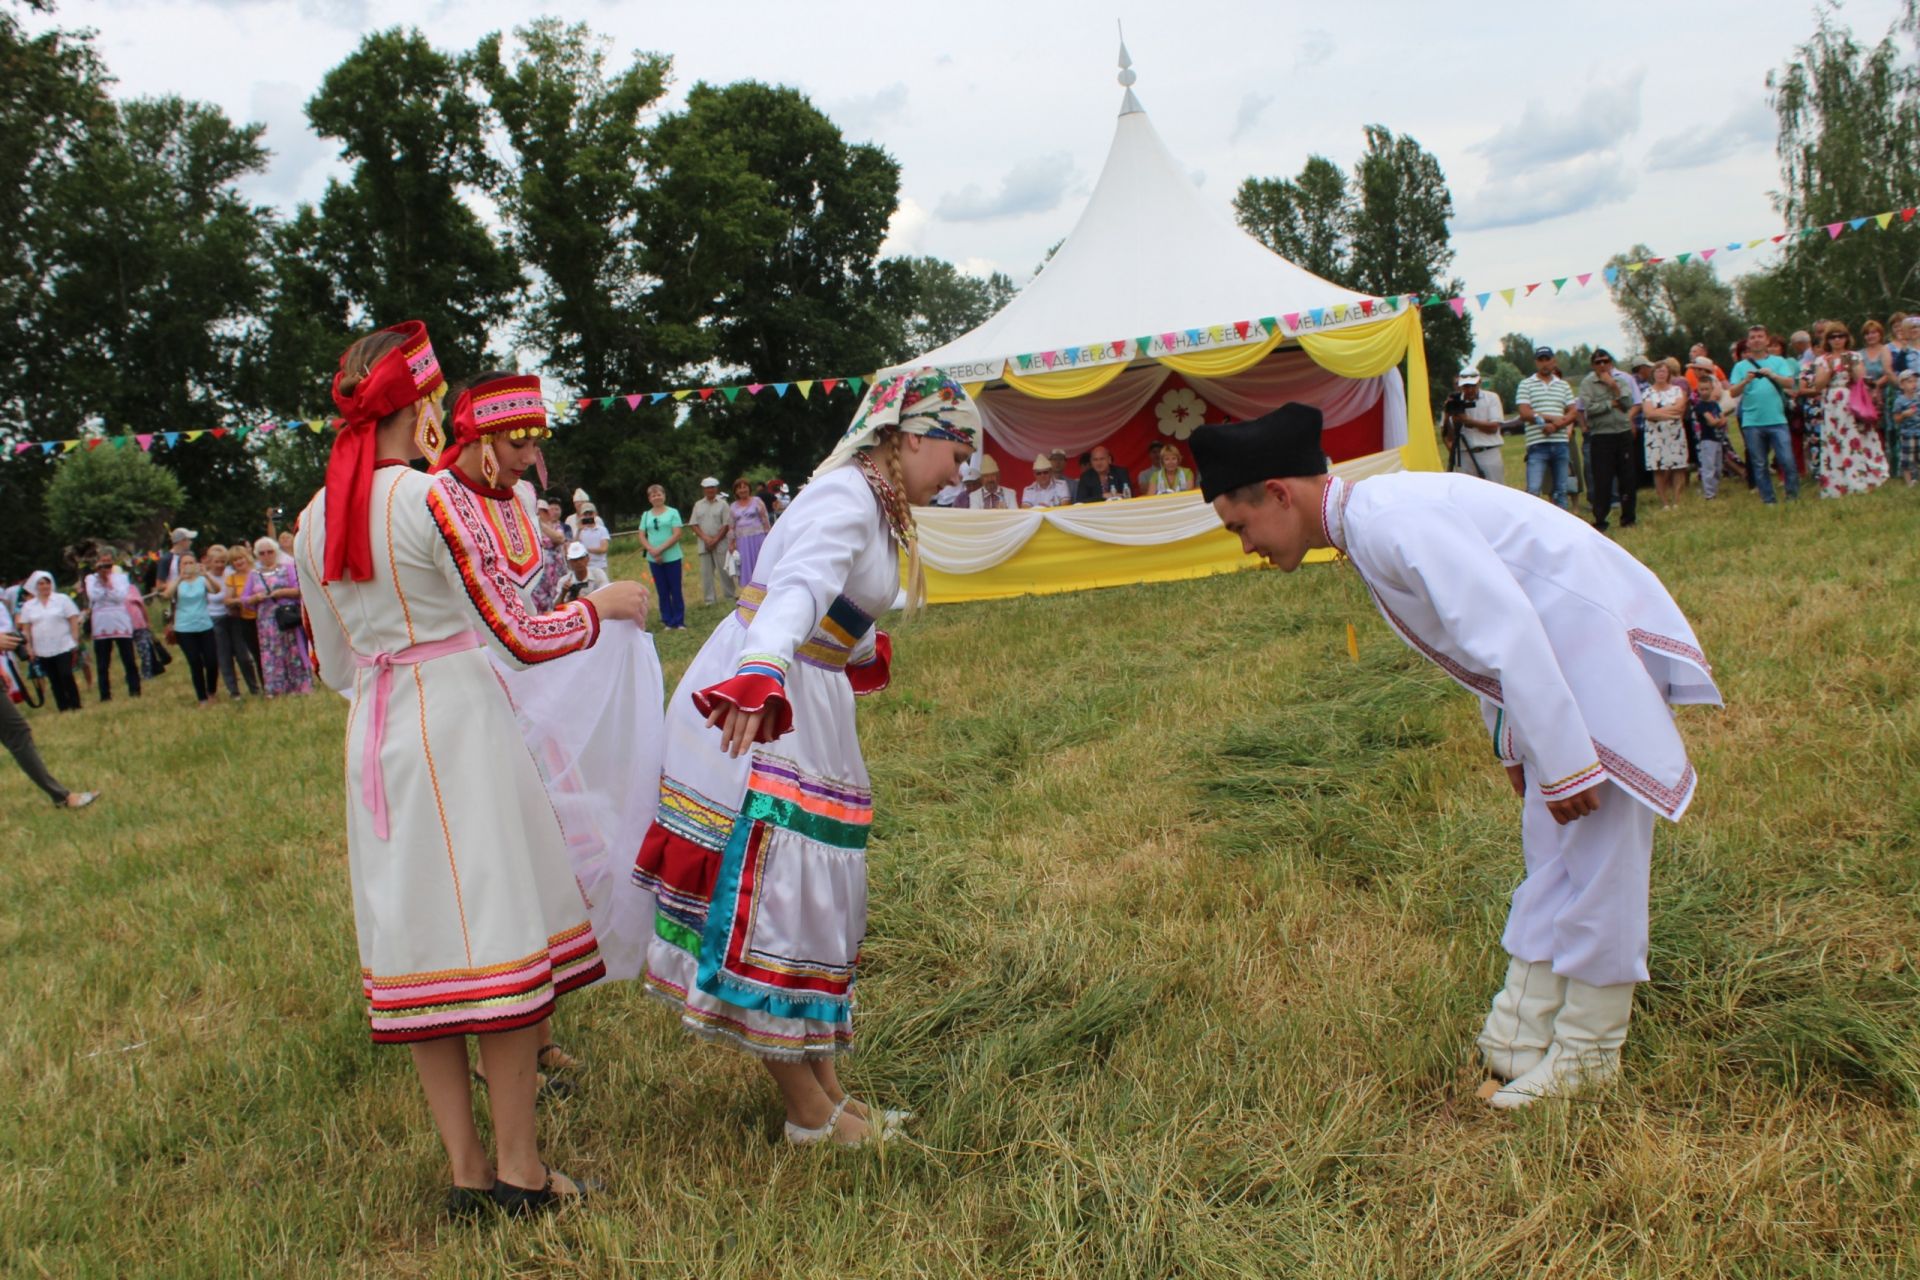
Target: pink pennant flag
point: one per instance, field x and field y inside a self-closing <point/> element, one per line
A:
<point x="1834" y="229"/>
<point x="1459" y="306"/>
<point x="1707" y="253"/>
<point x="1046" y="358"/>
<point x="145" y="441"/>
<point x="754" y="388"/>
<point x="1584" y="276"/>
<point x="1169" y="340"/>
<point x="1293" y="319"/>
<point x="633" y="402"/>
<point x="23" y="446"/>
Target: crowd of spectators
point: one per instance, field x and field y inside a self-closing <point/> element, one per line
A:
<point x="1807" y="406"/>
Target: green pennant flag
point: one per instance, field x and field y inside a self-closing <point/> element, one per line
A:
<point x="606" y="402"/>
<point x="1144" y="345"/>
<point x="1559" y="283"/>
<point x="856" y="384"/>
<point x="1269" y="323"/>
<point x="239" y="433"/>
<point x="1682" y="257"/>
<point x="1026" y="362"/>
<point x="119" y="442"/>
<point x="731" y="393"/>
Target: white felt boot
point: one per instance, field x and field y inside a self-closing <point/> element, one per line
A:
<point x="1587" y="1035"/>
<point x="1520" y="1025"/>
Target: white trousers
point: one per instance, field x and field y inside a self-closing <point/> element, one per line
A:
<point x="1583" y="905"/>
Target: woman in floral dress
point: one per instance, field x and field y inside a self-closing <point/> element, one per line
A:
<point x="1852" y="458"/>
<point x="283" y="654"/>
<point x="1665" y="406"/>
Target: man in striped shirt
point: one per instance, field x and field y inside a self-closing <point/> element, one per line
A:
<point x="1546" y="404"/>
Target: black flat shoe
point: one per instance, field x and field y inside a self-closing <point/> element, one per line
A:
<point x="464" y="1204"/>
<point x="524" y="1202"/>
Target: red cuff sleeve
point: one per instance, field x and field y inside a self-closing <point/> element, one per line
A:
<point x="593" y="615"/>
<point x="876" y="672"/>
<point x="752" y="691"/>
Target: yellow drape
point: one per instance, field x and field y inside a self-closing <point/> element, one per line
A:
<point x="1369" y="350"/>
<point x="1224" y="362"/>
<point x="1065" y="384"/>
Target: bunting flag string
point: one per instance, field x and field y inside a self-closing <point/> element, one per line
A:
<point x="1171" y="342"/>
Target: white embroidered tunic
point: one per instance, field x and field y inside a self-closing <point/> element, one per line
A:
<point x="468" y="915"/>
<point x="1574" y="647"/>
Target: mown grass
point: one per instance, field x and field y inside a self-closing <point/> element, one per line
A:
<point x="1182" y="925"/>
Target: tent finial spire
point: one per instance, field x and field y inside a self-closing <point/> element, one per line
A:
<point x="1129" y="104"/>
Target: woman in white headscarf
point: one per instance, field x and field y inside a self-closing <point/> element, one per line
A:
<point x="757" y="857"/>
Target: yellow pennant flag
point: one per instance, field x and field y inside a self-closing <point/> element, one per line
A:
<point x="195" y="435"/>
<point x="1216" y="333"/>
<point x="68" y="446"/>
<point x="681" y="395"/>
<point x="1636" y="266"/>
<point x="1508" y="295"/>
<point x="1883" y="219"/>
<point x="1339" y="311"/>
<point x="316" y="426"/>
<point x="1754" y="244"/>
<point x="806" y="388"/>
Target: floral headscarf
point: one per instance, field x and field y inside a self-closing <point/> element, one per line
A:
<point x="925" y="402"/>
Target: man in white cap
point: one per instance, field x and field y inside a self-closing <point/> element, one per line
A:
<point x="712" y="523"/>
<point x="180" y="543"/>
<point x="581" y="577"/>
<point x="593" y="535"/>
<point x="580" y="499"/>
<point x="1048" y="489"/>
<point x="986" y="492"/>
<point x="1473" y="417"/>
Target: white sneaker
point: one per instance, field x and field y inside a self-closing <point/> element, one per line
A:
<point x="1587" y="1035"/>
<point x="1519" y="1027"/>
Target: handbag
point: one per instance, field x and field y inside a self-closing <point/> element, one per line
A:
<point x="286" y="613"/>
<point x="1860" y="402"/>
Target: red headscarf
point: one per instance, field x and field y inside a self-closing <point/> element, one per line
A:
<point x="502" y="404"/>
<point x="407" y="374"/>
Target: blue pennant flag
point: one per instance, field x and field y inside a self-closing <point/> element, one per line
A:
<point x="1481" y="298"/>
<point x="1316" y="313"/>
<point x="658" y="396"/>
<point x="1613" y="273"/>
<point x="780" y="388"/>
<point x="173" y="438"/>
<point x="1734" y="247"/>
<point x="1858" y="223"/>
<point x="46" y="446"/>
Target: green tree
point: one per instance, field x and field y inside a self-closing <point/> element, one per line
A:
<point x="398" y="237"/>
<point x="1667" y="307"/>
<point x="762" y="228"/>
<point x="1501" y="376"/>
<point x="932" y="302"/>
<point x="1849" y="144"/>
<point x="116" y="494"/>
<point x="1382" y="232"/>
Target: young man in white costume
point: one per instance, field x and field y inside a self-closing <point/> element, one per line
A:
<point x="1576" y="652"/>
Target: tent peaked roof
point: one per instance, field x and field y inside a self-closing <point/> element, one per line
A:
<point x="1148" y="255"/>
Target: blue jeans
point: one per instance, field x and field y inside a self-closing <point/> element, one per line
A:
<point x="666" y="589"/>
<point x="1549" y="455"/>
<point x="1777" y="438"/>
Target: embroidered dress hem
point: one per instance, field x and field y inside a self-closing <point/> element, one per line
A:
<point x="462" y="1002"/>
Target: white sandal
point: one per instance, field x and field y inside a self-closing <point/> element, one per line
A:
<point x="890" y="1121"/>
<point x="800" y="1137"/>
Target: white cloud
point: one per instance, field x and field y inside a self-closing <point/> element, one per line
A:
<point x="1252" y="106"/>
<point x="865" y="115"/>
<point x="1035" y="185"/>
<point x="1316" y="47"/>
<point x="296" y="149"/>
<point x="1600" y="120"/>
<point x="1587" y="182"/>
<point x="905" y="229"/>
<point x="1752" y="125"/>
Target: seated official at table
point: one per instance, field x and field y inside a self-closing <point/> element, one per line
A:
<point x="986" y="492"/>
<point x="1100" y="482"/>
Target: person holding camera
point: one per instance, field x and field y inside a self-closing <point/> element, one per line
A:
<point x="1473" y="416"/>
<point x="593" y="536"/>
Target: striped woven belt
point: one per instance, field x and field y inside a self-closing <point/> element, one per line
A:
<point x="832" y="642"/>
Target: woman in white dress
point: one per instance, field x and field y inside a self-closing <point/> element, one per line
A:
<point x="1665" y="406"/>
<point x="468" y="916"/>
<point x="756" y="858"/>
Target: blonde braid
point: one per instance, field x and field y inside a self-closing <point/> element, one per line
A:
<point x="916" y="572"/>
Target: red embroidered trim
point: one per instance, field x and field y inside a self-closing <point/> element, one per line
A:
<point x="1630" y="775"/>
<point x="1573" y="782"/>
<point x="751" y="693"/>
<point x="1473" y="680"/>
<point x="492" y="591"/>
<point x="1667" y="644"/>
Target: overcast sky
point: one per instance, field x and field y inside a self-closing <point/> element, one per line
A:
<point x="1568" y="133"/>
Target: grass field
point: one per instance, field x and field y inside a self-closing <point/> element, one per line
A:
<point x="1182" y="925"/>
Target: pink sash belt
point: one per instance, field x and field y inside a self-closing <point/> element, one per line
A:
<point x="373" y="786"/>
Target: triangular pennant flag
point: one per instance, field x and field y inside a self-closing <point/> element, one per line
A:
<point x="806" y="388"/>
<point x="1215" y="333"/>
<point x="194" y="435"/>
<point x="1293" y="320"/>
<point x="172" y="438"/>
<point x="1240" y="327"/>
<point x="94" y="443"/>
<point x="754" y="388"/>
<point x="119" y="442"/>
<point x="827" y="385"/>
<point x="217" y="432"/>
<point x="146" y="441"/>
<point x="1508" y="295"/>
<point x="1026" y="362"/>
<point x="1532" y="287"/>
<point x="1481" y="298"/>
<point x="22" y="447"/>
<point x="1635" y="266"/>
<point x="682" y="395"/>
<point x="856" y="384"/>
<point x="1682" y="258"/>
<point x="1755" y="244"/>
<point x="731" y="393"/>
<point x="1366" y="308"/>
<point x="1559" y="283"/>
<point x="1315" y="315"/>
<point x="655" y="397"/>
<point x="46" y="447"/>
<point x="633" y="402"/>
<point x="1459" y="306"/>
<point x="1857" y="223"/>
<point x="1071" y="355"/>
<point x="1834" y="229"/>
<point x="583" y="404"/>
<point x="1612" y="274"/>
<point x="706" y="393"/>
<point x="1168" y="341"/>
<point x="68" y="446"/>
<point x="1705" y="254"/>
<point x="316" y="426"/>
<point x="1393" y="303"/>
<point x="1655" y="261"/>
<point x="606" y="402"/>
<point x="1883" y="219"/>
<point x="779" y="389"/>
<point x="1906" y="215"/>
<point x="1119" y="349"/>
<point x="1193" y="337"/>
<point x="1584" y="276"/>
<point x="1143" y="345"/>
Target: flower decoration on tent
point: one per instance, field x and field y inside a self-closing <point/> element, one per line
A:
<point x="1180" y="411"/>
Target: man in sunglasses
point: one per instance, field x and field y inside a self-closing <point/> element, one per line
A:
<point x="1608" y="402"/>
<point x="1546" y="406"/>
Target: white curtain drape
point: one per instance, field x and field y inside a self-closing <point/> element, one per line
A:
<point x="1289" y="376"/>
<point x="966" y="541"/>
<point x="1025" y="426"/>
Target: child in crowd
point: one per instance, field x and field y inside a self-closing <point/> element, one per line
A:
<point x="1710" y="434"/>
<point x="1906" y="421"/>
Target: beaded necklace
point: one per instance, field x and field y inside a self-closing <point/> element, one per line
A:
<point x="892" y="501"/>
